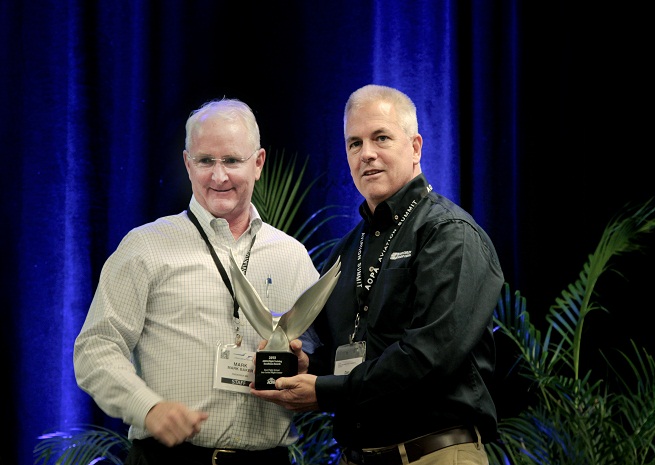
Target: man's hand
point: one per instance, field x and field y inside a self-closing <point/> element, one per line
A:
<point x="295" y="393"/>
<point x="171" y="423"/>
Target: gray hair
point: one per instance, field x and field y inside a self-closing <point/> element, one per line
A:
<point x="404" y="106"/>
<point x="229" y="110"/>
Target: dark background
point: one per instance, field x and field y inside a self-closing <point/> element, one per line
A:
<point x="536" y="117"/>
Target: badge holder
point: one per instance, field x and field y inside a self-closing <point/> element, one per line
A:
<point x="234" y="369"/>
<point x="348" y="356"/>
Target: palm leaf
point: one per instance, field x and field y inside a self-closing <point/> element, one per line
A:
<point x="637" y="404"/>
<point x="539" y="359"/>
<point x="316" y="444"/>
<point x="278" y="196"/>
<point x="275" y="193"/>
<point x="577" y="419"/>
<point x="81" y="445"/>
<point x="620" y="236"/>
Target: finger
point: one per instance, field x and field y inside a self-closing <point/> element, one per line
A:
<point x="296" y="345"/>
<point x="281" y="384"/>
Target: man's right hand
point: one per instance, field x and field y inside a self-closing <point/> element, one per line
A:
<point x="172" y="423"/>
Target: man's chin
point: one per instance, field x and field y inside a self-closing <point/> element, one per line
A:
<point x="220" y="207"/>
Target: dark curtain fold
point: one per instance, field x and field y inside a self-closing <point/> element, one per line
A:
<point x="536" y="118"/>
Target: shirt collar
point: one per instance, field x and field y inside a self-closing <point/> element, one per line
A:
<point x="205" y="218"/>
<point x="389" y="211"/>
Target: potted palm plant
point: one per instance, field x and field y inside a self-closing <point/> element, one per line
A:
<point x="575" y="417"/>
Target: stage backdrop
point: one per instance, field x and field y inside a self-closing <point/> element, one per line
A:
<point x="536" y="118"/>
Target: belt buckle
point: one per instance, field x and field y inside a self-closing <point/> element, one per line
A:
<point x="219" y="451"/>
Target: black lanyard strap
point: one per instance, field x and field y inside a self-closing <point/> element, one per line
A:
<point x="219" y="265"/>
<point x="364" y="284"/>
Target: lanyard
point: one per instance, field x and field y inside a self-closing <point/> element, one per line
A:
<point x="363" y="284"/>
<point x="219" y="265"/>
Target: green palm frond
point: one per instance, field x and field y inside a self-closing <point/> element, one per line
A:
<point x="566" y="431"/>
<point x="620" y="236"/>
<point x="316" y="444"/>
<point x="275" y="192"/>
<point x="539" y="359"/>
<point x="637" y="404"/>
<point x="278" y="196"/>
<point x="577" y="419"/>
<point x="518" y="444"/>
<point x="81" y="445"/>
<point x="314" y="223"/>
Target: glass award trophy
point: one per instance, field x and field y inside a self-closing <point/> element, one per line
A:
<point x="276" y="359"/>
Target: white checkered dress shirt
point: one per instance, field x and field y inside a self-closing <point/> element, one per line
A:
<point x="159" y="312"/>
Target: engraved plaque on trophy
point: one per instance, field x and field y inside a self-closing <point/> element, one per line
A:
<point x="276" y="359"/>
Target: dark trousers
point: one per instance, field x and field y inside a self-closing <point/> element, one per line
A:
<point x="151" y="452"/>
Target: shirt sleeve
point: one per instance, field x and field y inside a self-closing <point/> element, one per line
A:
<point x="102" y="350"/>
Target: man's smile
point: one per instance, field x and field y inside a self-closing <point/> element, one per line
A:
<point x="371" y="172"/>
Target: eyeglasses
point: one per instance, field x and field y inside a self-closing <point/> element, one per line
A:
<point x="205" y="162"/>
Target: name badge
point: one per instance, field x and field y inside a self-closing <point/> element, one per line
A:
<point x="348" y="356"/>
<point x="234" y="369"/>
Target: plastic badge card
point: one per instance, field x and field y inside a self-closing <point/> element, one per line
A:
<point x="234" y="369"/>
<point x="348" y="356"/>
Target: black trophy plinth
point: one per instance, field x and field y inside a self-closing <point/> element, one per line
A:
<point x="272" y="365"/>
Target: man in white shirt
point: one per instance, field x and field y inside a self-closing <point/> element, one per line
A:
<point x="164" y="347"/>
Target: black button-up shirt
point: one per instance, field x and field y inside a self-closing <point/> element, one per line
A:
<point x="427" y="322"/>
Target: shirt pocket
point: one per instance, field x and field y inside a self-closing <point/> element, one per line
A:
<point x="389" y="310"/>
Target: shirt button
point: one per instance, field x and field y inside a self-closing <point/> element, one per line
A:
<point x="366" y="308"/>
<point x="377" y="233"/>
<point x="395" y="217"/>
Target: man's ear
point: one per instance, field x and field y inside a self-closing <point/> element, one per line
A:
<point x="417" y="145"/>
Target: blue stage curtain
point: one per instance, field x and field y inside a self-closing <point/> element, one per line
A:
<point x="94" y="96"/>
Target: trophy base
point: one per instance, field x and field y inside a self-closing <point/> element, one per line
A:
<point x="270" y="366"/>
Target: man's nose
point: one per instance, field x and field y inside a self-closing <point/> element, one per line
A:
<point x="368" y="153"/>
<point x="219" y="171"/>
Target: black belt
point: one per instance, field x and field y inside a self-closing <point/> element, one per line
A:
<point x="156" y="453"/>
<point x="416" y="448"/>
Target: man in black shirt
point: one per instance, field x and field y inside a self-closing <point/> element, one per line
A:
<point x="406" y="346"/>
